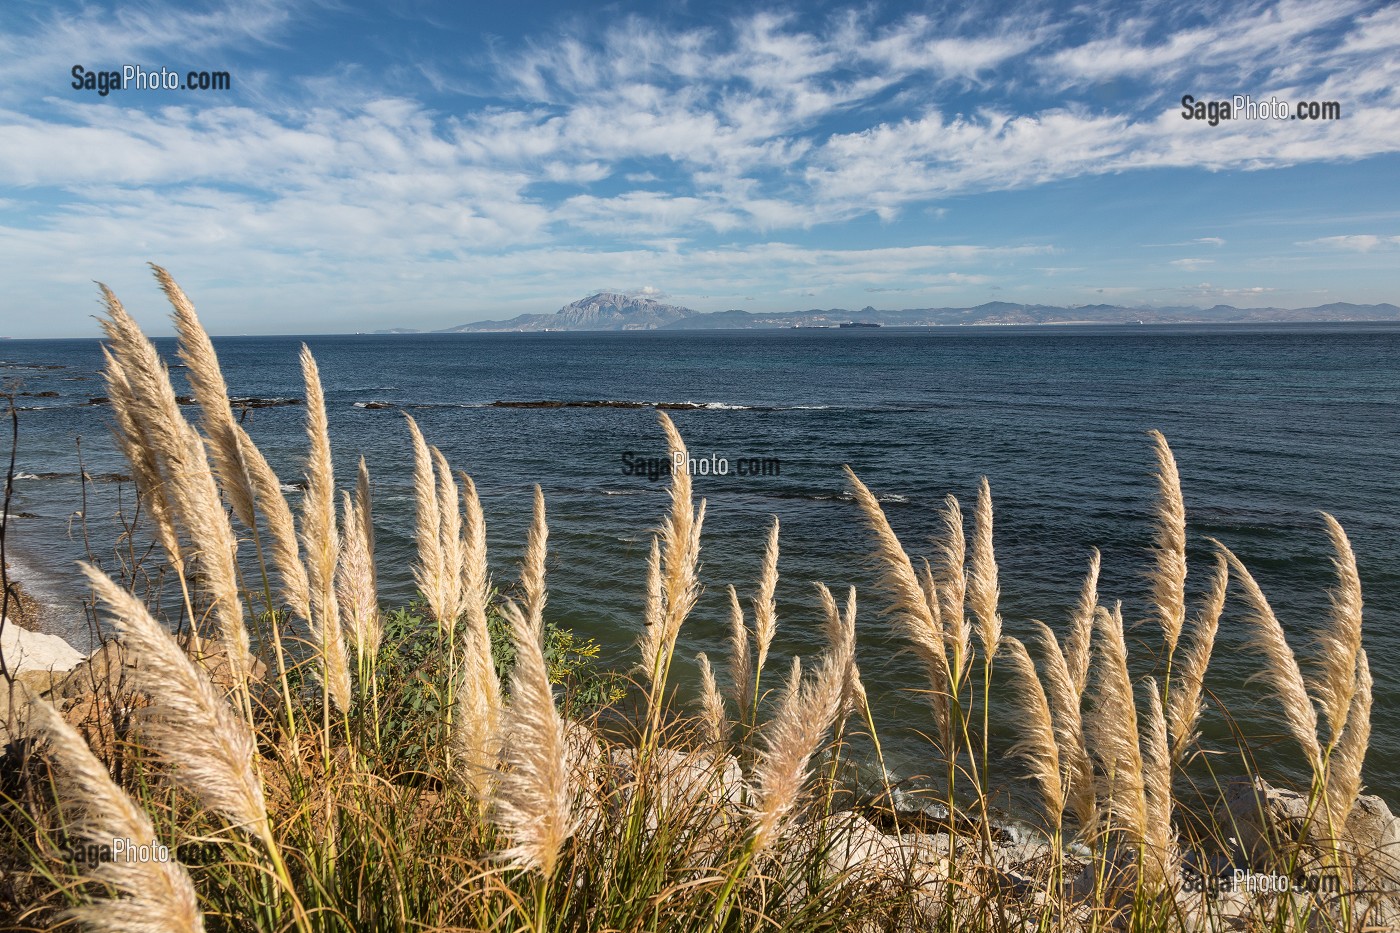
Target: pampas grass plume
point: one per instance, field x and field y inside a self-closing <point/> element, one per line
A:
<point x="175" y="462"/>
<point x="1339" y="641"/>
<point x="913" y="613"/>
<point x="765" y="609"/>
<point x="792" y="738"/>
<point x="1113" y="730"/>
<point x="195" y="730"/>
<point x="281" y="525"/>
<point x="983" y="589"/>
<point x="1159" y="837"/>
<point x="430" y="570"/>
<point x="1081" y="627"/>
<point x="159" y="896"/>
<point x="478" y="714"/>
<point x="1281" y="668"/>
<point x="321" y="540"/>
<point x="476" y="590"/>
<point x="355" y="583"/>
<point x="1185" y="703"/>
<point x="450" y="536"/>
<point x="533" y="796"/>
<point x="532" y="568"/>
<point x="954" y="588"/>
<point x="210" y="390"/>
<point x="1344" y="764"/>
<point x="740" y="657"/>
<point x="1169" y="580"/>
<point x="1037" y="745"/>
<point x="713" y="716"/>
<point x="1065" y="708"/>
<point x="139" y="451"/>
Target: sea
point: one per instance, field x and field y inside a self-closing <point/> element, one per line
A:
<point x="1269" y="424"/>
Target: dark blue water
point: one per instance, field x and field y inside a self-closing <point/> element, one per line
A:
<point x="1269" y="425"/>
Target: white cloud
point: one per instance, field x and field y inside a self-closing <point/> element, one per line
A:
<point x="1356" y="243"/>
<point x="1191" y="265"/>
<point x="1247" y="39"/>
<point x="32" y="59"/>
<point x="1205" y="291"/>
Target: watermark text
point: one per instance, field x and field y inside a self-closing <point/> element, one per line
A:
<point x="1244" y="107"/>
<point x="655" y="468"/>
<point x="134" y="77"/>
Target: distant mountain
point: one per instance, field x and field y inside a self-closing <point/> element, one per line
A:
<point x="610" y="311"/>
<point x="1003" y="312"/>
<point x="603" y="311"/>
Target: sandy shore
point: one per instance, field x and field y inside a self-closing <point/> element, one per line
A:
<point x="22" y="609"/>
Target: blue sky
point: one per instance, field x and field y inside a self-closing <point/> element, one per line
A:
<point x="458" y="161"/>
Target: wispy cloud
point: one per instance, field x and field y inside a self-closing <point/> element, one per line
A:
<point x="1355" y="243"/>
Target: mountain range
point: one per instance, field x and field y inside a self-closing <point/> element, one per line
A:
<point x="603" y="311"/>
<point x="610" y="311"/>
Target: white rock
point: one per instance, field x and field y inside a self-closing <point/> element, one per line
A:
<point x="683" y="784"/>
<point x="35" y="651"/>
<point x="1269" y="820"/>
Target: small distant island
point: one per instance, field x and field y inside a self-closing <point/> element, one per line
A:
<point x="611" y="311"/>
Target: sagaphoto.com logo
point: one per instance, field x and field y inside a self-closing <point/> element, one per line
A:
<point x="1244" y="107"/>
<point x="135" y="77"/>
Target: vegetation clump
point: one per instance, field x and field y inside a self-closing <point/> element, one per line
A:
<point x="461" y="764"/>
